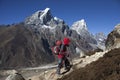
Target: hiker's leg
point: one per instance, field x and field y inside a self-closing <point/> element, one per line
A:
<point x="59" y="65"/>
<point x="67" y="63"/>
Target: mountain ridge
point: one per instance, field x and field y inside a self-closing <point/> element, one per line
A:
<point x="33" y="39"/>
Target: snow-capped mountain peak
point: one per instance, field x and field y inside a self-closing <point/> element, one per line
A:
<point x="82" y="22"/>
<point x="55" y="18"/>
<point x="58" y="19"/>
<point x="45" y="12"/>
<point x="117" y="26"/>
<point x="39" y="17"/>
<point x="40" y="14"/>
<point x="79" y="25"/>
<point x="44" y="19"/>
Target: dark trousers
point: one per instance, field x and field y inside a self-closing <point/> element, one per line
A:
<point x="63" y="62"/>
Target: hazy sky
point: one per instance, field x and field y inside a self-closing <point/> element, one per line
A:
<point x="100" y="15"/>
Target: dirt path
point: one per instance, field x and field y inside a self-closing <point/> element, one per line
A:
<point x="49" y="73"/>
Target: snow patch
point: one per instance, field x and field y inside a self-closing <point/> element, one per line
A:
<point x="55" y="18"/>
<point x="44" y="13"/>
<point x="45" y="26"/>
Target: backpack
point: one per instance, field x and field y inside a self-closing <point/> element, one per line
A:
<point x="56" y="50"/>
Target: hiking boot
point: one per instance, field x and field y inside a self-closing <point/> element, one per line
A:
<point x="58" y="76"/>
<point x="67" y="69"/>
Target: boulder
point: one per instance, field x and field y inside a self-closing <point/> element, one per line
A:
<point x="113" y="40"/>
<point x="15" y="76"/>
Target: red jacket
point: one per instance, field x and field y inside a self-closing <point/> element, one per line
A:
<point x="63" y="51"/>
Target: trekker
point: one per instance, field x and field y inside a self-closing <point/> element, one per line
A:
<point x="62" y="56"/>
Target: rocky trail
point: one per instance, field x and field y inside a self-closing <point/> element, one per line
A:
<point x="48" y="72"/>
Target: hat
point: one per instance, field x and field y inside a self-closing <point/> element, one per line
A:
<point x="66" y="41"/>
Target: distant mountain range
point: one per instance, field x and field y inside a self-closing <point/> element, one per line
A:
<point x="28" y="43"/>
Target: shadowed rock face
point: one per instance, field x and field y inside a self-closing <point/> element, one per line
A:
<point x="20" y="47"/>
<point x="106" y="68"/>
<point x="113" y="40"/>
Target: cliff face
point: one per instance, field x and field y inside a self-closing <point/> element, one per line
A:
<point x="113" y="40"/>
<point x="20" y="47"/>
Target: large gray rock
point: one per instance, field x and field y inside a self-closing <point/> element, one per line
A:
<point x="15" y="76"/>
<point x="113" y="40"/>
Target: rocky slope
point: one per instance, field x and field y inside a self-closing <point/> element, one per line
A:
<point x="20" y="47"/>
<point x="48" y="72"/>
<point x="81" y="28"/>
<point x="101" y="39"/>
<point x="94" y="67"/>
<point x="106" y="68"/>
<point x="113" y="40"/>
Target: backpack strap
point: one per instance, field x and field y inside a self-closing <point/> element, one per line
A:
<point x="55" y="48"/>
<point x="62" y="48"/>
